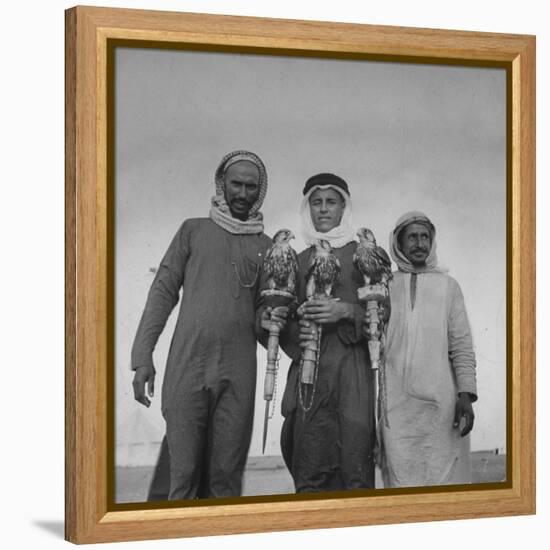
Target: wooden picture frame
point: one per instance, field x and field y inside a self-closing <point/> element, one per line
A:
<point x="90" y="37"/>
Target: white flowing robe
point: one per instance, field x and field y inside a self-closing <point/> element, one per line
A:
<point x="429" y="360"/>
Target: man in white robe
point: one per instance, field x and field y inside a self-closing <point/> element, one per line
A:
<point x="430" y="366"/>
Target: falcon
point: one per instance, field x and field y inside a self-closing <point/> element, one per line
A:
<point x="281" y="263"/>
<point x="372" y="260"/>
<point x="323" y="272"/>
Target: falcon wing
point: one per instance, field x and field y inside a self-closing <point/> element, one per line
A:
<point x="384" y="263"/>
<point x="361" y="259"/>
<point x="293" y="260"/>
<point x="326" y="273"/>
<point x="383" y="257"/>
<point x="268" y="262"/>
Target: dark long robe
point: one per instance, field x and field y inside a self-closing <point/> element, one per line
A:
<point x="330" y="447"/>
<point x="209" y="383"/>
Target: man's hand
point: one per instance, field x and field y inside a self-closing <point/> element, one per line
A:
<point x="277" y="315"/>
<point x="307" y="332"/>
<point x="463" y="408"/>
<point x="325" y="312"/>
<point x="144" y="375"/>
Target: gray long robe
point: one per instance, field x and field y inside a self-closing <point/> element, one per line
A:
<point x="209" y="384"/>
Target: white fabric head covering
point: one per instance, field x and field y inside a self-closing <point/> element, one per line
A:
<point x="220" y="212"/>
<point x="403" y="263"/>
<point x="338" y="236"/>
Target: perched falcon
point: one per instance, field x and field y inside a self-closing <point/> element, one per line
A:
<point x="323" y="272"/>
<point x="371" y="260"/>
<point x="281" y="263"/>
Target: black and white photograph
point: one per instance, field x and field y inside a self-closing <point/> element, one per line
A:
<point x="322" y="227"/>
<point x="309" y="276"/>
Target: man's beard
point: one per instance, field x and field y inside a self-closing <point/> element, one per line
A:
<point x="424" y="250"/>
<point x="242" y="210"/>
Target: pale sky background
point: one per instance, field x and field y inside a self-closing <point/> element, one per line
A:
<point x="404" y="137"/>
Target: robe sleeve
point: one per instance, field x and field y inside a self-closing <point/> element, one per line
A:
<point x="461" y="352"/>
<point x="289" y="339"/>
<point x="162" y="298"/>
<point x="262" y="335"/>
<point x="350" y="331"/>
<point x="262" y="279"/>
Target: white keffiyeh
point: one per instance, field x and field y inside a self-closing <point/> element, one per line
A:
<point x="338" y="236"/>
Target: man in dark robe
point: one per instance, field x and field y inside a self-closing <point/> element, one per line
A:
<point x="328" y="443"/>
<point x="209" y="384"/>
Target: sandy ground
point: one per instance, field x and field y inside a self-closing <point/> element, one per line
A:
<point x="269" y="476"/>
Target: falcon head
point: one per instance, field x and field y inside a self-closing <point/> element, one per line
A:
<point x="366" y="237"/>
<point x="283" y="236"/>
<point x="323" y="247"/>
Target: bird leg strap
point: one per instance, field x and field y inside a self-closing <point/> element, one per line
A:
<point x="309" y="368"/>
<point x="272" y="298"/>
<point x="309" y="363"/>
<point x="372" y="296"/>
<point x="310" y="356"/>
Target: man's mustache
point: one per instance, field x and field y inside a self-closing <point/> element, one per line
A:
<point x="419" y="249"/>
<point x="240" y="201"/>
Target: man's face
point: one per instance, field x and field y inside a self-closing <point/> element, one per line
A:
<point x="415" y="242"/>
<point x="327" y="208"/>
<point x="242" y="188"/>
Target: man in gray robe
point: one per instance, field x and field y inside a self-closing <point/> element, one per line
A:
<point x="209" y="384"/>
